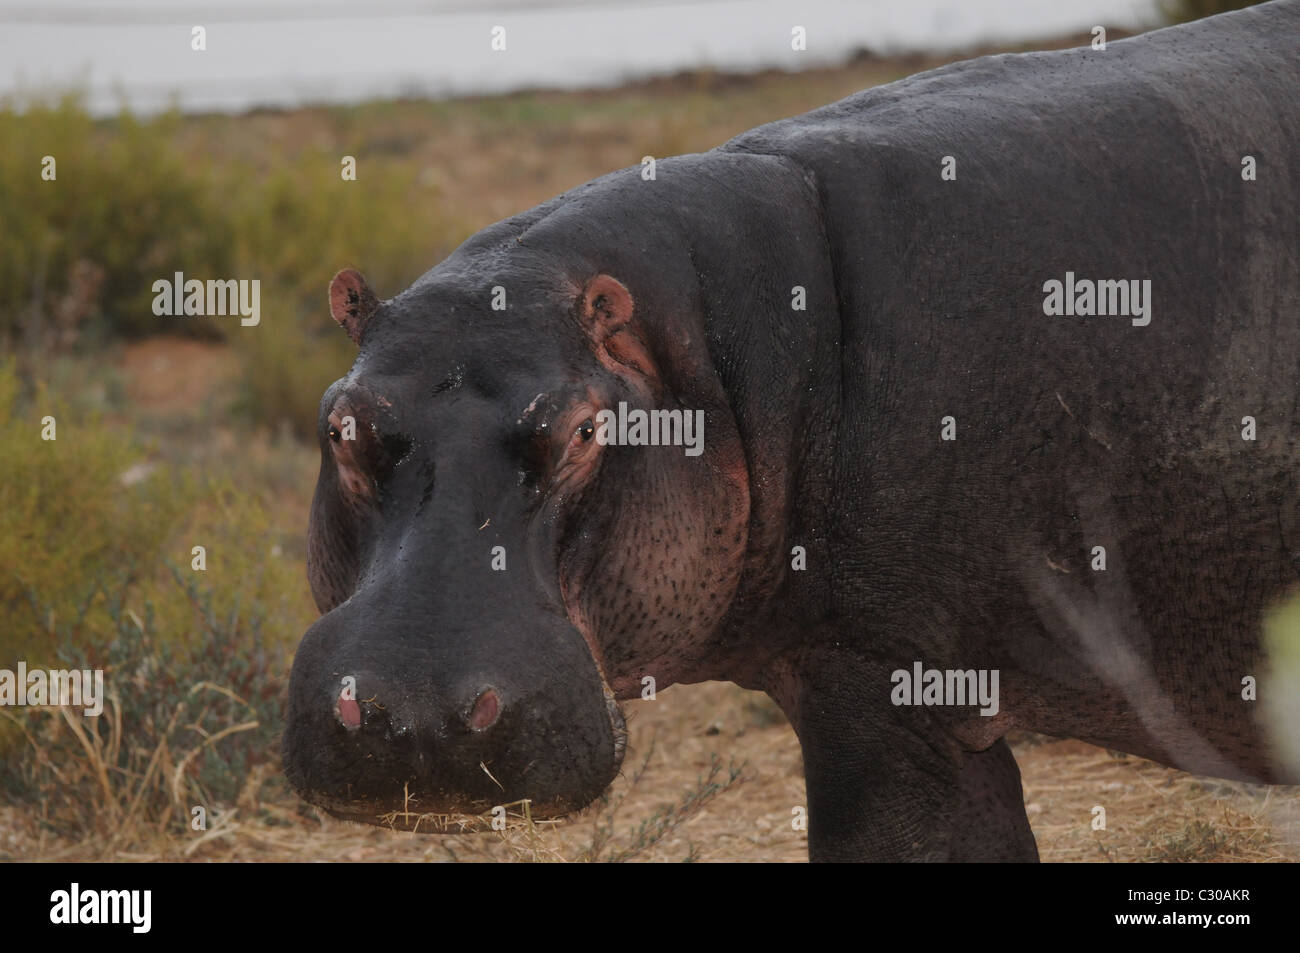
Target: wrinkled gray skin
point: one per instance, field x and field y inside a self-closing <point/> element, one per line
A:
<point x="924" y="300"/>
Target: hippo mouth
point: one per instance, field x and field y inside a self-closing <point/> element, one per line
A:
<point x="406" y="815"/>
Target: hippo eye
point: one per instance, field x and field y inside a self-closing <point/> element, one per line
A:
<point x="334" y="433"/>
<point x="586" y="430"/>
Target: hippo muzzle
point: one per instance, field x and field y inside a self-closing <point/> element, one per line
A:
<point x="407" y="731"/>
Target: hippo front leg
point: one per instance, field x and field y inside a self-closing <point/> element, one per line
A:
<point x="990" y="823"/>
<point x="893" y="784"/>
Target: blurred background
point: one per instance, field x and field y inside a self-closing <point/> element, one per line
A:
<point x="291" y="52"/>
<point x="176" y="432"/>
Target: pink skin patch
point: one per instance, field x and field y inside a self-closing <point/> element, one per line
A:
<point x="349" y="713"/>
<point x="485" y="711"/>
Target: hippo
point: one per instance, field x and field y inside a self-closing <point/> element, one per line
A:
<point x="965" y="405"/>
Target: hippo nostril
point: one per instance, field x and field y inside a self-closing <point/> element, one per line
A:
<point x="348" y="711"/>
<point x="485" y="711"/>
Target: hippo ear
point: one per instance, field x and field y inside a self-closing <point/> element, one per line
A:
<point x="608" y="315"/>
<point x="352" y="303"/>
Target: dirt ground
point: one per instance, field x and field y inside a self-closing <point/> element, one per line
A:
<point x="1153" y="813"/>
<point x="662" y="812"/>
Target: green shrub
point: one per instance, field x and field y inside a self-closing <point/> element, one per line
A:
<point x="66" y="518"/>
<point x="98" y="570"/>
<point x="70" y="527"/>
<point x="136" y="200"/>
<point x="124" y="200"/>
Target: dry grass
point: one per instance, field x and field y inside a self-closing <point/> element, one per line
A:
<point x="678" y="802"/>
<point x="117" y="820"/>
<point x="1153" y="813"/>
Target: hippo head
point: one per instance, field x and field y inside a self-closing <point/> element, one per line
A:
<point x="501" y="547"/>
